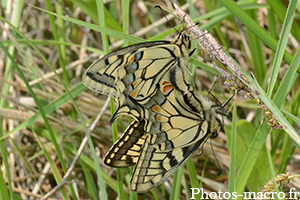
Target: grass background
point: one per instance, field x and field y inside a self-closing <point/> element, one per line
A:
<point x="44" y="108"/>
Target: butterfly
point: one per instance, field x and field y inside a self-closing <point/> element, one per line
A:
<point x="170" y="121"/>
<point x="131" y="73"/>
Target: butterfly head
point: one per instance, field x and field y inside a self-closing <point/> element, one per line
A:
<point x="183" y="40"/>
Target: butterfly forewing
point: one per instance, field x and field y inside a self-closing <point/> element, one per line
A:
<point x="104" y="73"/>
<point x="130" y="74"/>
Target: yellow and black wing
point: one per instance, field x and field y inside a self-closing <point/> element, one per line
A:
<point x="154" y="166"/>
<point x="177" y="123"/>
<point x="126" y="151"/>
<point x="131" y="74"/>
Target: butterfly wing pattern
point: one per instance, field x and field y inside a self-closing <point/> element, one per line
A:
<point x="177" y="124"/>
<point x="126" y="151"/>
<point x="170" y="121"/>
<point x="131" y="74"/>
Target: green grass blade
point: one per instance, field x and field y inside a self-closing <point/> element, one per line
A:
<point x="255" y="28"/>
<point x="233" y="150"/>
<point x="246" y="162"/>
<point x="282" y="45"/>
<point x="288" y="80"/>
<point x="101" y="29"/>
<point x="280" y="11"/>
<point x="176" y="186"/>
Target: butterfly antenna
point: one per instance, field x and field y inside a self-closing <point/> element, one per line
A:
<point x="209" y="92"/>
<point x="158" y="6"/>
<point x="220" y="169"/>
<point x="215" y="98"/>
<point x="196" y="24"/>
<point x="213" y="85"/>
<point x="227" y="100"/>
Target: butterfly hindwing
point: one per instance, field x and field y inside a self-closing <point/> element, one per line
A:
<point x="154" y="166"/>
<point x="126" y="150"/>
<point x="175" y="115"/>
<point x="177" y="123"/>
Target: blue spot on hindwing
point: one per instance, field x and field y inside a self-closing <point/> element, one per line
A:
<point x="138" y="56"/>
<point x="132" y="78"/>
<point x="135" y="66"/>
<point x="140" y="96"/>
<point x="162" y="101"/>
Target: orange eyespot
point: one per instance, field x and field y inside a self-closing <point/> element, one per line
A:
<point x="165" y="83"/>
<point x="167" y="89"/>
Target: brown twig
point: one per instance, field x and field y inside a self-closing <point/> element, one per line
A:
<point x="210" y="44"/>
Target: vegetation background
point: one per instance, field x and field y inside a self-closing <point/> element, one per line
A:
<point x="44" y="108"/>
